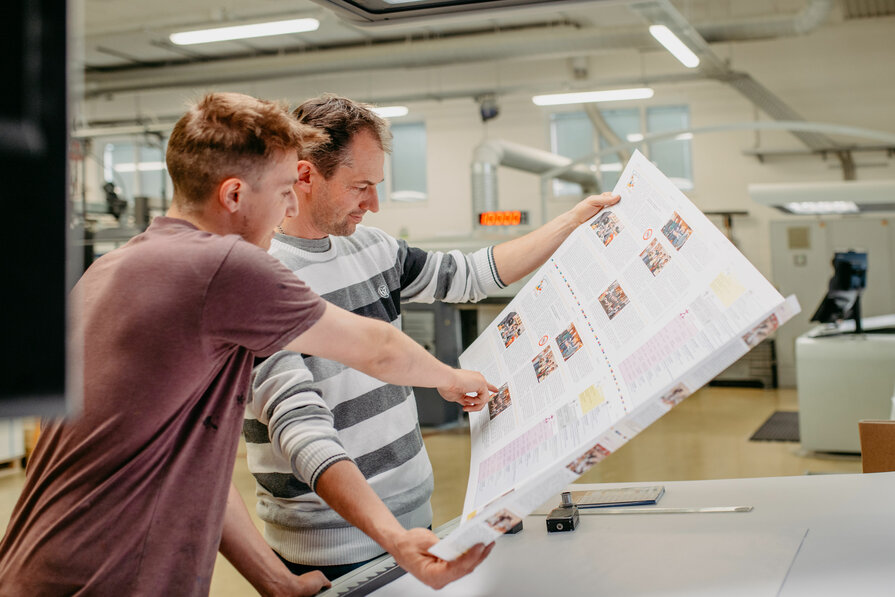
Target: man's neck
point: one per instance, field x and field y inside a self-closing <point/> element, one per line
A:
<point x="197" y="218"/>
<point x="301" y="228"/>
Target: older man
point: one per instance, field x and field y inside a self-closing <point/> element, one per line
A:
<point x="338" y="456"/>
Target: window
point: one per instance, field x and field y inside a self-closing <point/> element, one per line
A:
<point x="136" y="169"/>
<point x="569" y="130"/>
<point x="406" y="166"/>
<point x="626" y="124"/>
<point x="571" y="136"/>
<point x="671" y="155"/>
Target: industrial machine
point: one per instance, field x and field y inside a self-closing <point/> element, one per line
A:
<point x="845" y="368"/>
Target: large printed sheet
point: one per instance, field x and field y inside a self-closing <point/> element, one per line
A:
<point x="637" y="309"/>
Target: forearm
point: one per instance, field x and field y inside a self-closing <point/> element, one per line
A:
<point x="347" y="492"/>
<point x="344" y="488"/>
<point x="380" y="350"/>
<point x="401" y="358"/>
<point x="245" y="548"/>
<point x="519" y="257"/>
<point x="373" y="347"/>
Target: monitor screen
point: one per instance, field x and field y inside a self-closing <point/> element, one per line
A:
<point x="845" y="288"/>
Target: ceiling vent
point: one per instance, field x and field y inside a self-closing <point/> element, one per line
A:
<point x="387" y="12"/>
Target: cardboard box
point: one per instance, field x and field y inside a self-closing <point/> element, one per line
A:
<point x="877" y="445"/>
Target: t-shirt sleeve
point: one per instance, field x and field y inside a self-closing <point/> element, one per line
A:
<point x="256" y="302"/>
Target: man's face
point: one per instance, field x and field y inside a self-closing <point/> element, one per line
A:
<point x="272" y="197"/>
<point x="338" y="205"/>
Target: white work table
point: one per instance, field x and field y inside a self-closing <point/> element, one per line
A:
<point x="805" y="536"/>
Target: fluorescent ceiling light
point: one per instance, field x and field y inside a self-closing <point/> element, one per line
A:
<point x="391" y="111"/>
<point x="637" y="137"/>
<point x="408" y="196"/>
<point x="617" y="167"/>
<point x="141" y="166"/>
<point x="823" y="207"/>
<point x="204" y="36"/>
<point x="673" y="44"/>
<point x="610" y="95"/>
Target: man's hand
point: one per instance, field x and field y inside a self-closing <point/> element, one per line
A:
<point x="468" y="389"/>
<point x="411" y="553"/>
<point x="590" y="206"/>
<point x="245" y="548"/>
<point x="304" y="585"/>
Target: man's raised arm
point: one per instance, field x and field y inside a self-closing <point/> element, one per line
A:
<point x="519" y="257"/>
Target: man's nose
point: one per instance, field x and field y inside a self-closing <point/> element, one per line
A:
<point x="371" y="201"/>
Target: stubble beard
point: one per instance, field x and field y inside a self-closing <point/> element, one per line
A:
<point x="329" y="223"/>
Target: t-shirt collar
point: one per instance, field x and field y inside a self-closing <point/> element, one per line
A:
<point x="311" y="245"/>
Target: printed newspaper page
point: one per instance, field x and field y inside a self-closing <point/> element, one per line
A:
<point x="637" y="309"/>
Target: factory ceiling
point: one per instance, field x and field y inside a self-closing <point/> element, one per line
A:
<point x="126" y="45"/>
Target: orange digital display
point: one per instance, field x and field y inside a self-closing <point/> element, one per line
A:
<point x="503" y="218"/>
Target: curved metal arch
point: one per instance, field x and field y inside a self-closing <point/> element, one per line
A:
<point x="778" y="125"/>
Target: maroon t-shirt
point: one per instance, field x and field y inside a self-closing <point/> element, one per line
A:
<point x="128" y="498"/>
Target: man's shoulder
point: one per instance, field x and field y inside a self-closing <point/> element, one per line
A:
<point x="169" y="241"/>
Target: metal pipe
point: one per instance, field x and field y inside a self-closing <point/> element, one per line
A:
<point x="492" y="154"/>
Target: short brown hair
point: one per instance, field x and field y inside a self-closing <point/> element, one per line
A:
<point x="230" y="134"/>
<point x="340" y="118"/>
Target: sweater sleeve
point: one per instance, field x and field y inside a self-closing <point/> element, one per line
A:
<point x="299" y="424"/>
<point x="452" y="277"/>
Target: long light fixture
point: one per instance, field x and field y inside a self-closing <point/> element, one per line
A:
<point x="391" y="111"/>
<point x="825" y="198"/>
<point x="141" y="166"/>
<point x="673" y="44"/>
<point x="204" y="36"/>
<point x="822" y="207"/>
<point x="583" y="97"/>
<point x="637" y="137"/>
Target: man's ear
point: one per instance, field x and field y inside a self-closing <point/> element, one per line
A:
<point x="305" y="170"/>
<point x="230" y="194"/>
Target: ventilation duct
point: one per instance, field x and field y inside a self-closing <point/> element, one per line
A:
<point x="492" y="154"/>
<point x="528" y="42"/>
<point x="662" y="12"/>
<point x="385" y="12"/>
<point x="534" y="42"/>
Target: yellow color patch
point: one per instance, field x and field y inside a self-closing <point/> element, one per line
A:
<point x="727" y="288"/>
<point x="591" y="398"/>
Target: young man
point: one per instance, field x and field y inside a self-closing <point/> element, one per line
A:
<point x="129" y="497"/>
<point x="330" y="447"/>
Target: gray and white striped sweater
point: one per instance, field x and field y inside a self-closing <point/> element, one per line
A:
<point x="307" y="413"/>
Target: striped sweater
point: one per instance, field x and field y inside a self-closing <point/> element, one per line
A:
<point x="307" y="413"/>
